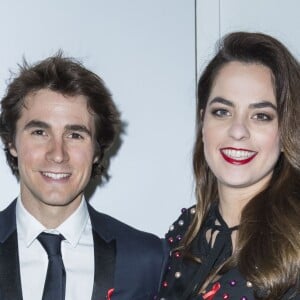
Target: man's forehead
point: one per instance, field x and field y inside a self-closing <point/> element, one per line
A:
<point x="46" y="105"/>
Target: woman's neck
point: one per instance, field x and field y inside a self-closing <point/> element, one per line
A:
<point x="232" y="200"/>
<point x="231" y="203"/>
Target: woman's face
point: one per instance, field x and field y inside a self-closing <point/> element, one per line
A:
<point x="240" y="126"/>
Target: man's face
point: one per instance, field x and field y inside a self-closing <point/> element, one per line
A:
<point x="54" y="145"/>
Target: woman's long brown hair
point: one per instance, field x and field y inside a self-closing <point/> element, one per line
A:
<point x="268" y="242"/>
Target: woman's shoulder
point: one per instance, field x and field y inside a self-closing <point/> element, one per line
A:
<point x="178" y="229"/>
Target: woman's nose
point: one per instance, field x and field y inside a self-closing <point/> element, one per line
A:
<point x="239" y="130"/>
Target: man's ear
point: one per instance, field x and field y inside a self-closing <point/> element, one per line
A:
<point x="96" y="159"/>
<point x="12" y="150"/>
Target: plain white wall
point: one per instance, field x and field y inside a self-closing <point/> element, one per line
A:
<point x="217" y="17"/>
<point x="144" y="51"/>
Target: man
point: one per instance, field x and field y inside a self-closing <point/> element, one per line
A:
<point x="57" y="120"/>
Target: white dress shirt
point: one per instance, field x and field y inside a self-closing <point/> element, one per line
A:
<point x="77" y="254"/>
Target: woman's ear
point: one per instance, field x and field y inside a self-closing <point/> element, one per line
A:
<point x="201" y="118"/>
<point x="201" y="114"/>
<point x="281" y="146"/>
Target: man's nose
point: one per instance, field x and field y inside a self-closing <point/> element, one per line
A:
<point x="57" y="151"/>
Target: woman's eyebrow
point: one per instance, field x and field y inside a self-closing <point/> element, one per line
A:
<point x="222" y="101"/>
<point x="263" y="104"/>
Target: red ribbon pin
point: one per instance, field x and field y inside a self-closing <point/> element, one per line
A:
<point x="211" y="294"/>
<point x="109" y="293"/>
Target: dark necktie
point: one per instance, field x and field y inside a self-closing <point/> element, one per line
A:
<point x="55" y="284"/>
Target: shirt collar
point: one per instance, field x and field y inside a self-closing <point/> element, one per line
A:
<point x="72" y="228"/>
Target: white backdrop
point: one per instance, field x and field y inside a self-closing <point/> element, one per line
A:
<point x="279" y="18"/>
<point x="144" y="51"/>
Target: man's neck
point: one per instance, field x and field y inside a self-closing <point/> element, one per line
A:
<point x="51" y="216"/>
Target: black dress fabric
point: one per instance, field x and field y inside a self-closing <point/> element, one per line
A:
<point x="184" y="277"/>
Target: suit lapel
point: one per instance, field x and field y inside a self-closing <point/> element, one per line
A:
<point x="106" y="230"/>
<point x="105" y="258"/>
<point x="127" y="284"/>
<point x="10" y="280"/>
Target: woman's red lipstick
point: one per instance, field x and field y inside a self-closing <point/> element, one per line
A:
<point x="237" y="156"/>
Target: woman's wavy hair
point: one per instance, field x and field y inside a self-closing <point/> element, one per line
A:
<point x="70" y="78"/>
<point x="268" y="243"/>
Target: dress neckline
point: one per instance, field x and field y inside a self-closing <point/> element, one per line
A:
<point x="212" y="256"/>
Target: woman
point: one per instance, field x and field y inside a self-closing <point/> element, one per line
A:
<point x="242" y="239"/>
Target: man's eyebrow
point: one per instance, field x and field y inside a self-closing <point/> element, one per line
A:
<point x="36" y="123"/>
<point x="222" y="101"/>
<point x="44" y="125"/>
<point x="79" y="128"/>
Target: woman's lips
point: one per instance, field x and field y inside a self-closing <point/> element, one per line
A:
<point x="237" y="156"/>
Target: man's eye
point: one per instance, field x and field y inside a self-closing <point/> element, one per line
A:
<point x="262" y="117"/>
<point x="38" y="132"/>
<point x="221" y="112"/>
<point x="75" y="135"/>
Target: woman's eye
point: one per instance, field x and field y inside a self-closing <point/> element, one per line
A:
<point x="262" y="117"/>
<point x="221" y="112"/>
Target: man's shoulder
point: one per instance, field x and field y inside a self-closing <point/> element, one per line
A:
<point x="7" y="221"/>
<point x="110" y="227"/>
<point x="140" y="256"/>
<point x="10" y="209"/>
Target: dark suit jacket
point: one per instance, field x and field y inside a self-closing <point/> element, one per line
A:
<point x="129" y="259"/>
